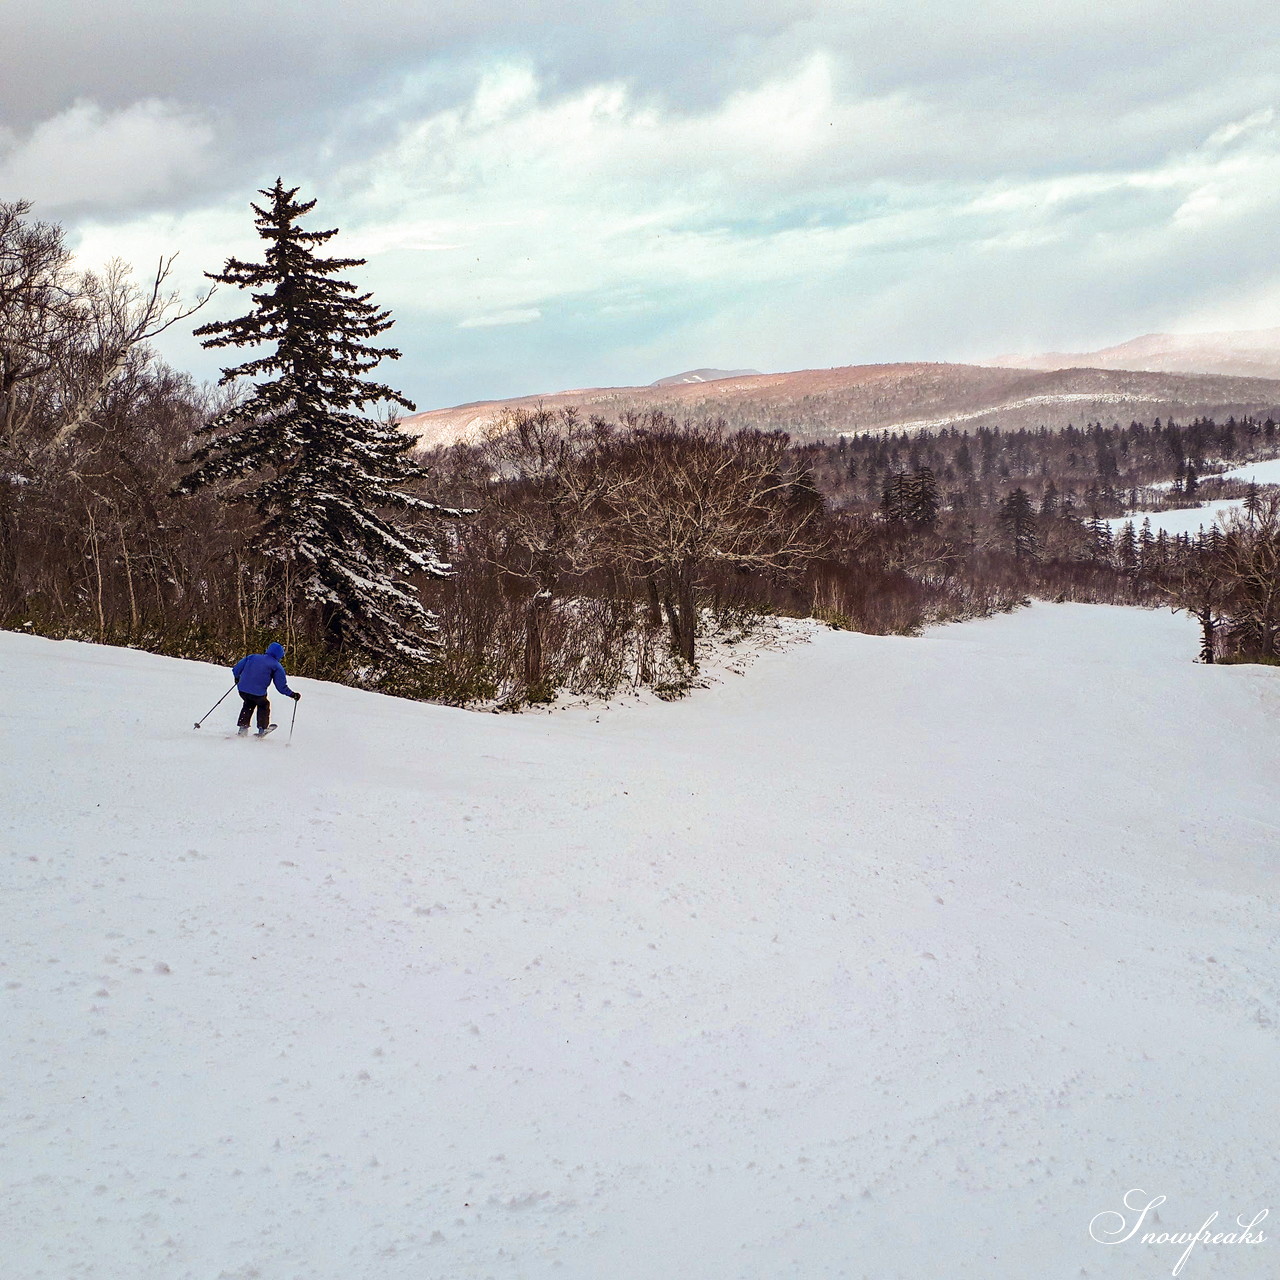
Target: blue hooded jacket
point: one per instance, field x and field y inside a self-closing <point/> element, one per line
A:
<point x="255" y="673"/>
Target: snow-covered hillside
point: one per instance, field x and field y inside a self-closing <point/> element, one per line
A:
<point x="1258" y="472"/>
<point x="1178" y="520"/>
<point x="894" y="958"/>
<point x="1193" y="519"/>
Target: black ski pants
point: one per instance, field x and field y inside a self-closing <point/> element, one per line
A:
<point x="262" y="703"/>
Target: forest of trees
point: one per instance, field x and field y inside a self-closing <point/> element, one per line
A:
<point x="559" y="552"/>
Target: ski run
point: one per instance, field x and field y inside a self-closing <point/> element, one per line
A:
<point x="891" y="958"/>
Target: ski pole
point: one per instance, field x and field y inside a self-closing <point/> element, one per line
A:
<point x="289" y="743"/>
<point x="213" y="708"/>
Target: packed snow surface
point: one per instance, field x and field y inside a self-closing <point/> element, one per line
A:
<point x="892" y="958"/>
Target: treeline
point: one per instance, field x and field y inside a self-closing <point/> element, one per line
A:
<point x="560" y="553"/>
<point x="1090" y="469"/>
<point x="91" y="426"/>
<point x="595" y="555"/>
<point x="547" y="597"/>
<point x="1228" y="579"/>
<point x="598" y="555"/>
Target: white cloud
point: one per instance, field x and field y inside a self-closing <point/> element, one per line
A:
<point x="799" y="220"/>
<point x="525" y="316"/>
<point x="1258" y="123"/>
<point x="87" y="156"/>
<point x="601" y="193"/>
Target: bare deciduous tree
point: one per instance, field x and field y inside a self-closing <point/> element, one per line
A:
<point x="112" y="316"/>
<point x="688" y="497"/>
<point x="1201" y="587"/>
<point x="548" y="490"/>
<point x="37" y="291"/>
<point x="1250" y="565"/>
<point x="66" y="336"/>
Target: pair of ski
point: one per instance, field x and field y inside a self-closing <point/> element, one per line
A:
<point x="261" y="733"/>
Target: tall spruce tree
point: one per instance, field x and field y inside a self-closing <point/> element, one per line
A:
<point x="1016" y="516"/>
<point x="895" y="498"/>
<point x="322" y="474"/>
<point x="925" y="503"/>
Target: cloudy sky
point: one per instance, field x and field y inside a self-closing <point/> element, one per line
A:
<point x="566" y="193"/>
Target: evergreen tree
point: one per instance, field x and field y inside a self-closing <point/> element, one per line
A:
<point x="912" y="498"/>
<point x="321" y="474"/>
<point x="895" y="501"/>
<point x="924" y="503"/>
<point x="1017" y="517"/>
<point x="1101" y="542"/>
<point x="1126" y="547"/>
<point x="1146" y="544"/>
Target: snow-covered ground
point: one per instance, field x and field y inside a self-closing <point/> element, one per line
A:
<point x="893" y="958"/>
<point x="1180" y="519"/>
<point x="1258" y="472"/>
<point x="1026" y="402"/>
<point x="1193" y="519"/>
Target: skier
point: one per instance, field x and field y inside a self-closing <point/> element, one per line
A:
<point x="254" y="675"/>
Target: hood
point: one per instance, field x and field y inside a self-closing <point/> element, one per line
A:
<point x="275" y="651"/>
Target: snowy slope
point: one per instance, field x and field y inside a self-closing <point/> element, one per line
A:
<point x="1193" y="519"/>
<point x="1178" y="519"/>
<point x="1259" y="472"/>
<point x="895" y="958"/>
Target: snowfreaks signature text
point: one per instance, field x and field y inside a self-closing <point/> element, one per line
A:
<point x="1112" y="1227"/>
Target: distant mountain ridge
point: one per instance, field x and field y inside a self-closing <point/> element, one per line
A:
<point x="822" y="404"/>
<point x="1246" y="353"/>
<point x="704" y="375"/>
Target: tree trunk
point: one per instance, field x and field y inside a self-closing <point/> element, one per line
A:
<point x="689" y="624"/>
<point x="92" y="398"/>
<point x="655" y="603"/>
<point x="128" y="573"/>
<point x="533" y="639"/>
<point x="10" y="594"/>
<point x="97" y="568"/>
<point x="1208" y="626"/>
<point x="682" y="618"/>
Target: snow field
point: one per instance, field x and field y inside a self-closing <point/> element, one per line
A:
<point x="894" y="958"/>
<point x="1258" y="472"/>
<point x="1193" y="519"/>
<point x="1179" y="519"/>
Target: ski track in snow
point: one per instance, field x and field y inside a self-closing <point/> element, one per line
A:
<point x="896" y="958"/>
